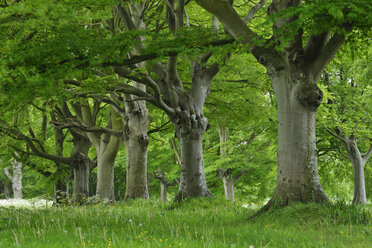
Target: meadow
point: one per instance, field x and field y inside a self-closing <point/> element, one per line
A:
<point x="193" y="223"/>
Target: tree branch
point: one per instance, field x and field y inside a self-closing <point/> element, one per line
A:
<point x="338" y="136"/>
<point x="366" y="155"/>
<point x="86" y="128"/>
<point x="253" y="11"/>
<point x="343" y="154"/>
<point x="7" y="129"/>
<point x="158" y="129"/>
<point x="326" y="55"/>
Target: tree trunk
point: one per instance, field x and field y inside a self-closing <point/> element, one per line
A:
<point x="61" y="191"/>
<point x="81" y="165"/>
<point x="228" y="184"/>
<point x="105" y="173"/>
<point x="136" y="123"/>
<point x="7" y="189"/>
<point x="81" y="171"/>
<point x="192" y="181"/>
<point x="17" y="180"/>
<point x="223" y="133"/>
<point x="297" y="100"/>
<point x="225" y="175"/>
<point x="358" y="161"/>
<point x="107" y="147"/>
<point x="163" y="191"/>
<point x="359" y="185"/>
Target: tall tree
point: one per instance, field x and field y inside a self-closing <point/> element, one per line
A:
<point x="294" y="57"/>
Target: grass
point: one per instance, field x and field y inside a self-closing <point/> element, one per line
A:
<point x="194" y="223"/>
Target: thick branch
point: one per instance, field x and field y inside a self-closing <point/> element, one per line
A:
<point x="86" y="128"/>
<point x="37" y="152"/>
<point x="235" y="25"/>
<point x="326" y="55"/>
<point x="366" y="155"/>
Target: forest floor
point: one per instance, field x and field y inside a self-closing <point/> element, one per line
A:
<point x="194" y="223"/>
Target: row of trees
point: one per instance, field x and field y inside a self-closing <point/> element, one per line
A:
<point x="85" y="71"/>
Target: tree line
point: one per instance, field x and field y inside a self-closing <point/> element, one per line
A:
<point x="81" y="78"/>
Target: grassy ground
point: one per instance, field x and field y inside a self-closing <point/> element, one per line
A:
<point x="194" y="223"/>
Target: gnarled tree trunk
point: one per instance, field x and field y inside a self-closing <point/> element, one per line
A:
<point x="189" y="131"/>
<point x="297" y="99"/>
<point x="294" y="71"/>
<point x="136" y="123"/>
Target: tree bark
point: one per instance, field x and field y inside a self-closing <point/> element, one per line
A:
<point x="228" y="184"/>
<point x="16" y="178"/>
<point x="7" y="189"/>
<point x="190" y="132"/>
<point x="61" y="194"/>
<point x="163" y="192"/>
<point x="81" y="167"/>
<point x="136" y="123"/>
<point x="106" y="154"/>
<point x="360" y="196"/>
<point x="225" y="175"/>
<point x="297" y="100"/>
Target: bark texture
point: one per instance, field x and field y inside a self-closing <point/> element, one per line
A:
<point x="192" y="180"/>
<point x="81" y="165"/>
<point x="298" y="98"/>
<point x="7" y="189"/>
<point x="16" y="178"/>
<point x="107" y="149"/>
<point x="136" y="123"/>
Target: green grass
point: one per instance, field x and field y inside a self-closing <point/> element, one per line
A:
<point x="194" y="223"/>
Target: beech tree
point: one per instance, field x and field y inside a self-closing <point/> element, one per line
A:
<point x="183" y="107"/>
<point x="306" y="35"/>
<point x="15" y="176"/>
<point x="358" y="160"/>
<point x="79" y="159"/>
<point x="346" y="113"/>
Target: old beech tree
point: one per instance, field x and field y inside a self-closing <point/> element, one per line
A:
<point x="294" y="66"/>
